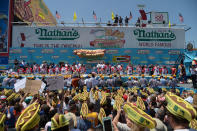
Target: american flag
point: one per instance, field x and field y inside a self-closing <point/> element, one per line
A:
<point x="57" y="15"/>
<point x="143" y="14"/>
<point x="181" y="18"/>
<point x="94" y="15"/>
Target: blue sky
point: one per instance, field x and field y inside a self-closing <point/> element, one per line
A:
<point x="103" y="9"/>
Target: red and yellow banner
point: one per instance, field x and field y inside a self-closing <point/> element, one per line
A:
<point x="34" y="11"/>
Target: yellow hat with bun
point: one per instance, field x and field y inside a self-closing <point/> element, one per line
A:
<point x="29" y="118"/>
<point x="193" y="124"/>
<point x="58" y="121"/>
<point x="7" y="92"/>
<point x="11" y="97"/>
<point x="84" y="109"/>
<point x="180" y="108"/>
<point x="140" y="104"/>
<point x="103" y="99"/>
<point x="96" y="95"/>
<point x="2" y="119"/>
<point x="101" y="115"/>
<point x="138" y="116"/>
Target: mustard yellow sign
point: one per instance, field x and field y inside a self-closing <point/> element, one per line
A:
<point x="34" y="11"/>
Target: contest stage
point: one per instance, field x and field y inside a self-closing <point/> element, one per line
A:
<point x="135" y="56"/>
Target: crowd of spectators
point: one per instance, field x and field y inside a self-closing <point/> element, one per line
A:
<point x="80" y="109"/>
<point x="87" y="103"/>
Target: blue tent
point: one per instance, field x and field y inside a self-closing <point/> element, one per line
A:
<point x="189" y="57"/>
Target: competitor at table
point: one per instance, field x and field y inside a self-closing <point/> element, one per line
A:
<point x="43" y="69"/>
<point x="64" y="70"/>
<point x="21" y="71"/>
<point x="146" y="70"/>
<point x="50" y="70"/>
<point x="83" y="69"/>
<point x="120" y="69"/>
<point x="156" y="70"/>
<point x="164" y="71"/>
<point x="28" y="70"/>
<point x="129" y="69"/>
<point x="57" y="69"/>
<point x="173" y="70"/>
<point x="107" y="68"/>
<point x="36" y="69"/>
<point x="113" y="69"/>
<point x="139" y="70"/>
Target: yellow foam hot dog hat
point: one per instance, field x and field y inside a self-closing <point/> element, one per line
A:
<point x="138" y="116"/>
<point x="140" y="103"/>
<point x="2" y="119"/>
<point x="29" y="118"/>
<point x="103" y="99"/>
<point x="58" y="121"/>
<point x="180" y="108"/>
<point x="101" y="115"/>
<point x="84" y="109"/>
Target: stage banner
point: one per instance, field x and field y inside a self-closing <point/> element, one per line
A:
<point x="159" y="17"/>
<point x="4" y="22"/>
<point x="34" y="11"/>
<point x="123" y="56"/>
<point x="98" y="37"/>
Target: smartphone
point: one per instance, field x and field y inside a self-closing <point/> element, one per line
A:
<point x="107" y="124"/>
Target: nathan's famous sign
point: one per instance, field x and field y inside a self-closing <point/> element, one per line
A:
<point x="143" y="35"/>
<point x="45" y="34"/>
<point x="99" y="37"/>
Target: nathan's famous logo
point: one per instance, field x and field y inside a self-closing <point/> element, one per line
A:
<point x="45" y="34"/>
<point x="47" y="51"/>
<point x="143" y="35"/>
<point x="107" y="38"/>
<point x="143" y="52"/>
<point x="31" y="51"/>
<point x="55" y="57"/>
<point x="174" y="52"/>
<point x="16" y="51"/>
<point x="23" y="57"/>
<point x="111" y="51"/>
